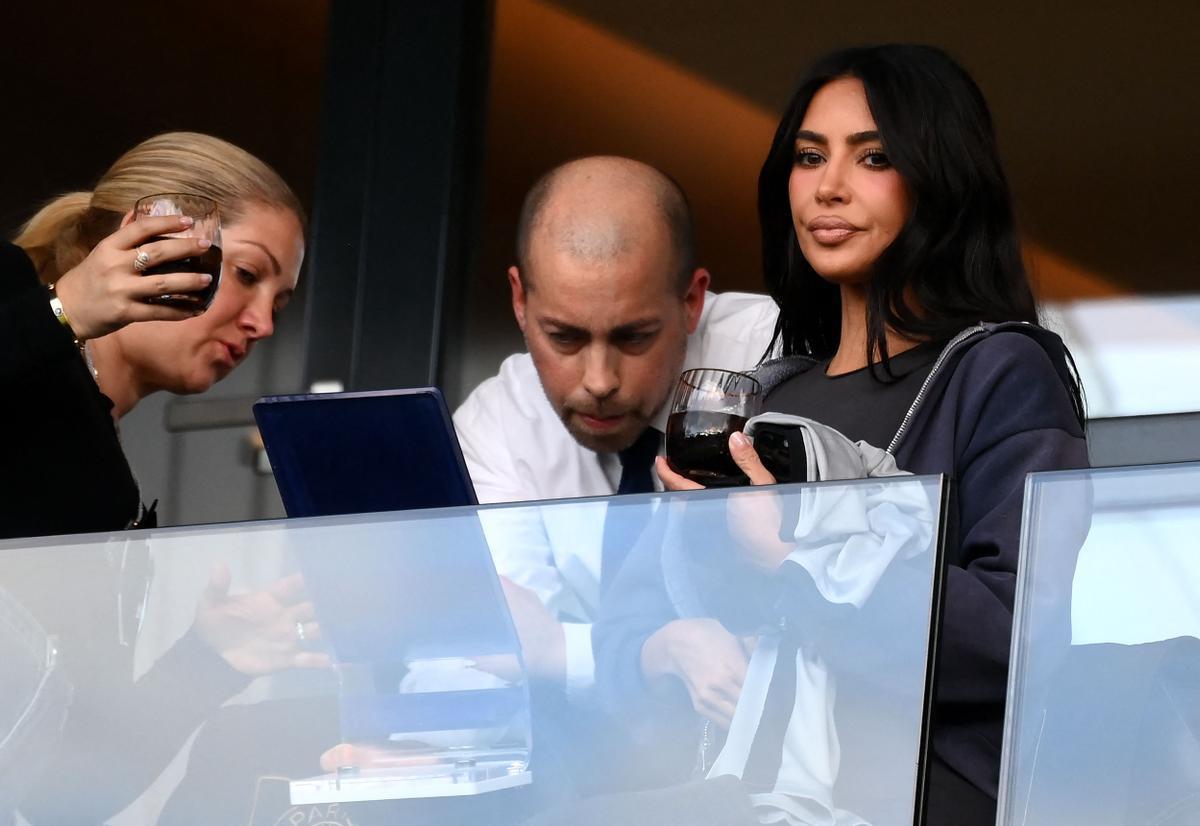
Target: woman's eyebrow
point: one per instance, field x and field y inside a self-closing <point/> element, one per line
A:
<point x="274" y="261"/>
<point x="854" y="139"/>
<point x="863" y="137"/>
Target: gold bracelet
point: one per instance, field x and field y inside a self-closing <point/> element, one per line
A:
<point x="59" y="312"/>
<point x="57" y="308"/>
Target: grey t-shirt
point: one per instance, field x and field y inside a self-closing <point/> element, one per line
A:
<point x="857" y="404"/>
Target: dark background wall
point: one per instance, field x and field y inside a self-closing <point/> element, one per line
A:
<point x="1094" y="101"/>
<point x="85" y="81"/>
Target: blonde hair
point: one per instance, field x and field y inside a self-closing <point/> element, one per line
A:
<point x="65" y="230"/>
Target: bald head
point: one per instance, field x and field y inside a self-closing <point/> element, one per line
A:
<point x="601" y="209"/>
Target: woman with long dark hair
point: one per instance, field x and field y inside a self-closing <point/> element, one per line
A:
<point x="954" y="260"/>
<point x="906" y="321"/>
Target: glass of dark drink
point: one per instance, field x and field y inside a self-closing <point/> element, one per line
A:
<point x="206" y="224"/>
<point x="709" y="406"/>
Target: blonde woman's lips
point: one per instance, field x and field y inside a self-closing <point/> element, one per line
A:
<point x="228" y="353"/>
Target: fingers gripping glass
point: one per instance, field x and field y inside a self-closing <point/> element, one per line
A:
<point x="709" y="406"/>
<point x="206" y="224"/>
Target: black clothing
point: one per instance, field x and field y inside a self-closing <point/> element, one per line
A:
<point x="63" y="470"/>
<point x="857" y="404"/>
<point x="955" y="801"/>
<point x="637" y="463"/>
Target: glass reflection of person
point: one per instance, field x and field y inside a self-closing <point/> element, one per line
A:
<point x="907" y="320"/>
<point x="75" y="375"/>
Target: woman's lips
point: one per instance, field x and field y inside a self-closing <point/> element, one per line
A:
<point x="830" y="237"/>
<point x="830" y="231"/>
<point x="231" y="353"/>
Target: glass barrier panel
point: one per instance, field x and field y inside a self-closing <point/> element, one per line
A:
<point x="1103" y="718"/>
<point x="366" y="669"/>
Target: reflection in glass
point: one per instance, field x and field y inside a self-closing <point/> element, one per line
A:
<point x="411" y="686"/>
<point x="842" y="629"/>
<point x="34" y="698"/>
<point x="1103" y="723"/>
<point x="431" y="688"/>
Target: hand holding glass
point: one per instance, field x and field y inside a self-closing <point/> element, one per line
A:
<point x="709" y="406"/>
<point x="206" y="224"/>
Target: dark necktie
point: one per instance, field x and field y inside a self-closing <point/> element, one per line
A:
<point x="637" y="463"/>
<point x="623" y="524"/>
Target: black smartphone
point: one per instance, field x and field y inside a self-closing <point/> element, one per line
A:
<point x="781" y="448"/>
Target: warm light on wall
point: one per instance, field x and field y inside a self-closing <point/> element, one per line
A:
<point x="1058" y="279"/>
<point x="563" y="86"/>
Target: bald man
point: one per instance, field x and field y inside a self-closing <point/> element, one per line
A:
<point x="613" y="307"/>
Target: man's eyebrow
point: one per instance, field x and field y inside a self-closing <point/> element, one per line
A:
<point x="550" y="321"/>
<point x="854" y="139"/>
<point x="274" y="260"/>
<point x="638" y="326"/>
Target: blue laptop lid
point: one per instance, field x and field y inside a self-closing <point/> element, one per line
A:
<point x="387" y="450"/>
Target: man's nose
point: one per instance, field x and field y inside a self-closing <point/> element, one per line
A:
<point x="600" y="377"/>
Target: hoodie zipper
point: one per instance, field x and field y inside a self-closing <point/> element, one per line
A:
<point x="937" y="366"/>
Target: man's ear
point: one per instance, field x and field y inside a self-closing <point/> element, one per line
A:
<point x="693" y="299"/>
<point x="518" y="296"/>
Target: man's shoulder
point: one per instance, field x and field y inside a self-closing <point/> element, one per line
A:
<point x="750" y="308"/>
<point x="735" y="330"/>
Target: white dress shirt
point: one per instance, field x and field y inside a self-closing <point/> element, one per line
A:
<point x="517" y="449"/>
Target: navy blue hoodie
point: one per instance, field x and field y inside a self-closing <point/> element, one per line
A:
<point x="996" y="407"/>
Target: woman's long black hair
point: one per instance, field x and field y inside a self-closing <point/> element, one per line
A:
<point x="956" y="262"/>
<point x="957" y="258"/>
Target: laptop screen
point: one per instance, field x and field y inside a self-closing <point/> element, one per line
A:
<point x="340" y="453"/>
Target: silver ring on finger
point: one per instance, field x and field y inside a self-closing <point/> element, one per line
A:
<point x="300" y="635"/>
<point x="141" y="260"/>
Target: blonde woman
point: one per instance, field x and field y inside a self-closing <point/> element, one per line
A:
<point x="73" y="360"/>
<point x="73" y="379"/>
